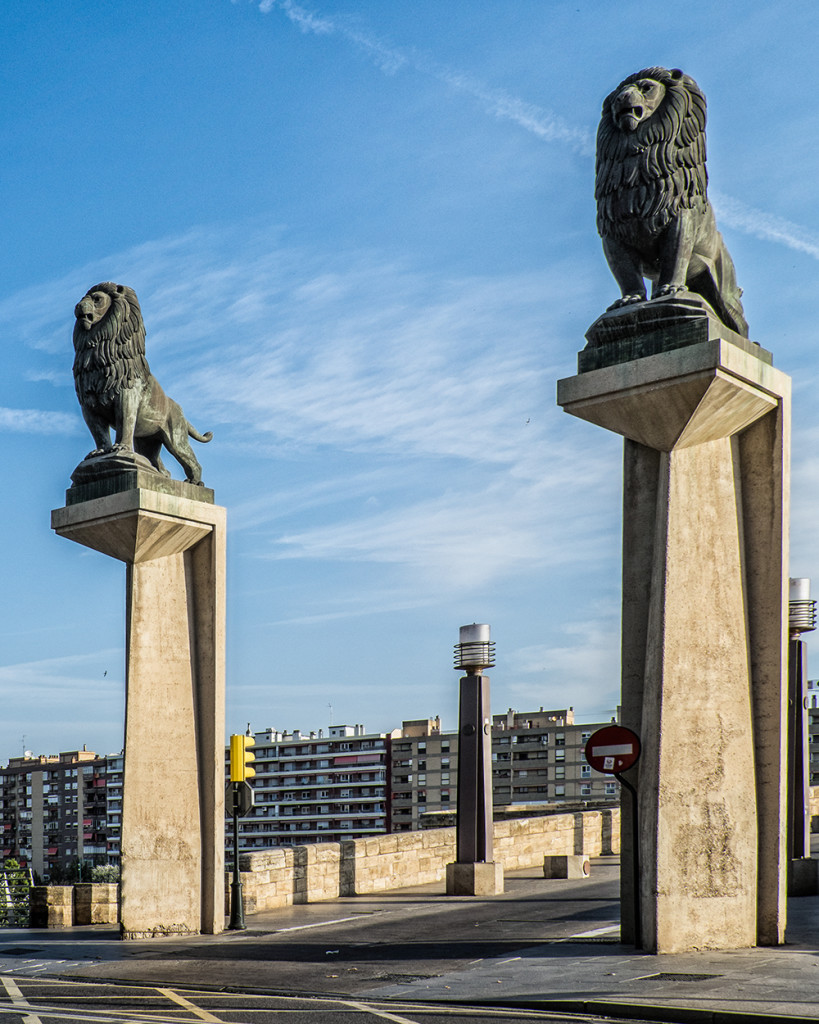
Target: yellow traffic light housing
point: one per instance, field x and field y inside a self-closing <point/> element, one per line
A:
<point x="240" y="758"/>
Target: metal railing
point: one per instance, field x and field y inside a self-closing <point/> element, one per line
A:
<point x="15" y="887"/>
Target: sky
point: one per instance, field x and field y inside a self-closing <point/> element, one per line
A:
<point x="363" y="238"/>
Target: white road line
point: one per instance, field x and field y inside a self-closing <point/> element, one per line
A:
<point x="511" y="960"/>
<point x="377" y="1013"/>
<point x="607" y="930"/>
<point x="182" y="1001"/>
<point x="316" y="924"/>
<point x="19" y="999"/>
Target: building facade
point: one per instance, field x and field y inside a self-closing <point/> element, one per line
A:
<point x="312" y="787"/>
<point x="55" y="813"/>
<point x="537" y="758"/>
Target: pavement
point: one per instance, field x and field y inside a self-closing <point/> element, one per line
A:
<point x="546" y="944"/>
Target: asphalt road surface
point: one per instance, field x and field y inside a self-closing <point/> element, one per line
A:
<point x="29" y="1000"/>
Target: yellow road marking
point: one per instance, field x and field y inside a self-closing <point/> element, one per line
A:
<point x="201" y="1014"/>
<point x="19" y="999"/>
<point x="377" y="1013"/>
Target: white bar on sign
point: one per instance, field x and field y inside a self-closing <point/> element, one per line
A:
<point x="616" y="748"/>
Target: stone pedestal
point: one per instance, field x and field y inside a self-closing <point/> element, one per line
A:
<point x="474" y="879"/>
<point x="172" y="540"/>
<point x="704" y="626"/>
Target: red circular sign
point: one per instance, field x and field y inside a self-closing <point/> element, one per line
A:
<point x="612" y="749"/>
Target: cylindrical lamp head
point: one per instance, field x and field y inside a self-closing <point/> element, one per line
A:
<point x="475" y="651"/>
<point x="801" y="610"/>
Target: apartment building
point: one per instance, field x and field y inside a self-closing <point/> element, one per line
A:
<point x="312" y="787"/>
<point x="54" y="811"/>
<point x="537" y="758"/>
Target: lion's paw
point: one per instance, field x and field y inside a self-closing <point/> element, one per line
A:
<point x="668" y="289"/>
<point x="627" y="300"/>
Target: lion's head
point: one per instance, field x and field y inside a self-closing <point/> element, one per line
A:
<point x="650" y="151"/>
<point x="109" y="342"/>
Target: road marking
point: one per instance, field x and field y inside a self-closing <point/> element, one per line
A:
<point x="318" y="924"/>
<point x="19" y="1000"/>
<point x="182" y="1001"/>
<point x="607" y="930"/>
<point x="511" y="960"/>
<point x="377" y="1013"/>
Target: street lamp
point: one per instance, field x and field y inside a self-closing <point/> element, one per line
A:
<point x="474" y="872"/>
<point x="801" y="619"/>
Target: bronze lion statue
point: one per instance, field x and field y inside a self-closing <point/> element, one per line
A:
<point x="116" y="388"/>
<point x="653" y="213"/>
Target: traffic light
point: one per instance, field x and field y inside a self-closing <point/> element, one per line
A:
<point x="240" y="758"/>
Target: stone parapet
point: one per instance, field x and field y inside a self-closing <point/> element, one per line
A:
<point x="96" y="903"/>
<point x="51" y="906"/>
<point x="324" y="871"/>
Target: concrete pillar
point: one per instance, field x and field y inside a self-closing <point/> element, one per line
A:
<point x="704" y="627"/>
<point x="172" y="539"/>
<point x="37" y="824"/>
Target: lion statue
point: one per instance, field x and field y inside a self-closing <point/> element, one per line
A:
<point x="117" y="389"/>
<point x="653" y="212"/>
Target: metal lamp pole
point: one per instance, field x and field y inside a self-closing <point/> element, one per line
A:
<point x="474" y="653"/>
<point x="801" y="619"/>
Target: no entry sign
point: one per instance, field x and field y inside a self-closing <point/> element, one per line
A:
<point x="612" y="749"/>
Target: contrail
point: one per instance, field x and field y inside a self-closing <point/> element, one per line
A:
<point x="549" y="127"/>
<point x="389" y="59"/>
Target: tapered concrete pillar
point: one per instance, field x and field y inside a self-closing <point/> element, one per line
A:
<point x="704" y="629"/>
<point x="172" y="539"/>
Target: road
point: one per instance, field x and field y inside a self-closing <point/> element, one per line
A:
<point x="51" y="1001"/>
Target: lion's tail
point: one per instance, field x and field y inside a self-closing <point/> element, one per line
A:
<point x="204" y="438"/>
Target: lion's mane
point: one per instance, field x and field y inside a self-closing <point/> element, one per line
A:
<point x="648" y="175"/>
<point x="110" y="356"/>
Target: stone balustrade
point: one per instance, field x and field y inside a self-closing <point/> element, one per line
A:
<point x="322" y="871"/>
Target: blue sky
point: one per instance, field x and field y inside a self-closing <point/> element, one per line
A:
<point x="362" y="234"/>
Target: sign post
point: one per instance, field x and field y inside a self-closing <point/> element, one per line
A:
<point x="612" y="750"/>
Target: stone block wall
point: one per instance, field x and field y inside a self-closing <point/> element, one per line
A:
<point x="96" y="903"/>
<point x="51" y="906"/>
<point x="307" y="874"/>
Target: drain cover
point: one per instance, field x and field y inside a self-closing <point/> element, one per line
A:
<point x="667" y="976"/>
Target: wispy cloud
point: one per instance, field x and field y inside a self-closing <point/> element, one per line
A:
<point x="589" y="657"/>
<point x="38" y="421"/>
<point x="496" y="102"/>
<point x="736" y="214"/>
<point x="534" y="119"/>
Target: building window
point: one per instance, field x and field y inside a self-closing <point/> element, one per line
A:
<point x="560" y="755"/>
<point x="444" y="778"/>
<point x="585" y="771"/>
<point x="560" y="790"/>
<point x="611" y="789"/>
<point x="585" y="789"/>
<point x="560" y="739"/>
<point x="560" y="771"/>
<point x="444" y="796"/>
<point x="422" y="796"/>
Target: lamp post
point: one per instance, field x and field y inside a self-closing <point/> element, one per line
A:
<point x="474" y="872"/>
<point x="801" y="619"/>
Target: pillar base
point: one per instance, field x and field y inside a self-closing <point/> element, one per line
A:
<point x="485" y="879"/>
<point x="803" y="877"/>
<point x="566" y="866"/>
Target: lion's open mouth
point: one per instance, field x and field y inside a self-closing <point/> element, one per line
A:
<point x="630" y="117"/>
